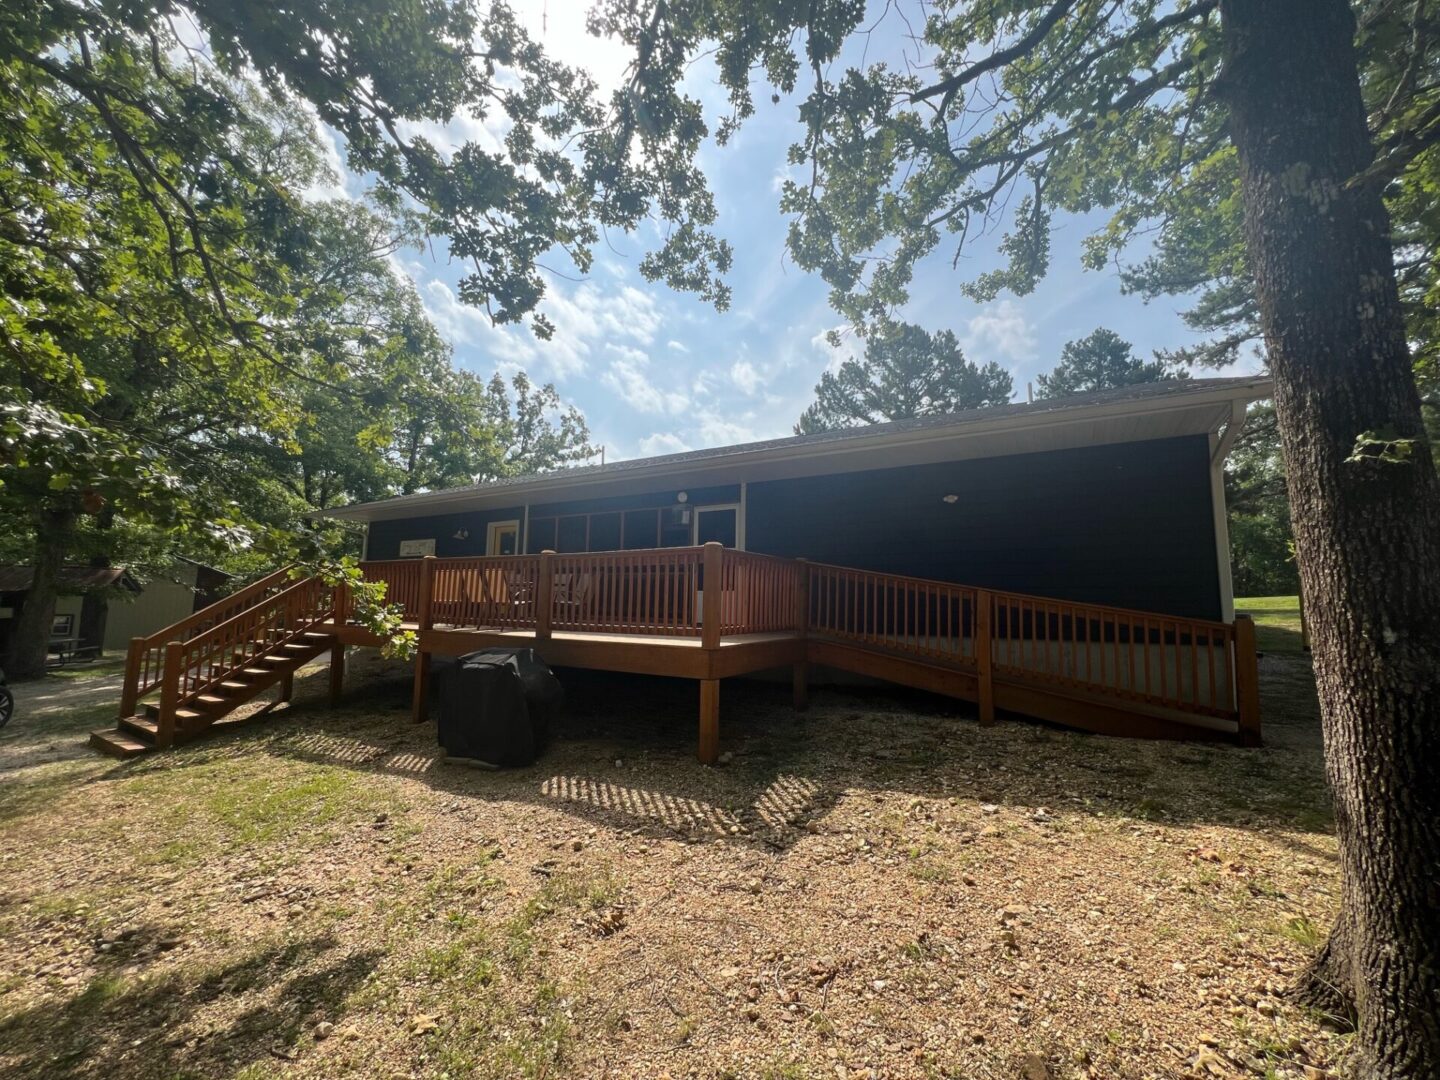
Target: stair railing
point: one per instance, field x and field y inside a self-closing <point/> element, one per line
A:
<point x="219" y="652"/>
<point x="145" y="659"/>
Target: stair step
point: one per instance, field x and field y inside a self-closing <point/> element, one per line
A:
<point x="118" y="744"/>
<point x="318" y="638"/>
<point x="237" y="686"/>
<point x="211" y="702"/>
<point x="140" y="726"/>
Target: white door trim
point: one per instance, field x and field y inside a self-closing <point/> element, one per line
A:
<point x="738" y="507"/>
<point x="496" y="526"/>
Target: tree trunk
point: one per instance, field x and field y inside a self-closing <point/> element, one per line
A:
<point x="1365" y="503"/>
<point x="30" y="641"/>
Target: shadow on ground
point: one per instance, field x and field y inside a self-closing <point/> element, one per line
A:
<point x="624" y="756"/>
<point x="147" y="1027"/>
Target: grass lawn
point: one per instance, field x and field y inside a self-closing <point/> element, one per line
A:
<point x="1277" y="622"/>
<point x="877" y="887"/>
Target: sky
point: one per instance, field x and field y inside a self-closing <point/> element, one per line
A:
<point x="655" y="371"/>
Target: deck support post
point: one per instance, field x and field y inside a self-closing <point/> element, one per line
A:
<point x="337" y="672"/>
<point x="712" y="592"/>
<point x="169" y="696"/>
<point x="709" y="721"/>
<point x="544" y="595"/>
<point x="287" y="687"/>
<point x="800" y="685"/>
<point x="984" y="633"/>
<point x="420" y="703"/>
<point x="129" y="692"/>
<point x="1247" y="681"/>
<point x="800" y="670"/>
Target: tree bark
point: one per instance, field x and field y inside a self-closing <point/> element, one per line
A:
<point x="1365" y="504"/>
<point x="30" y="642"/>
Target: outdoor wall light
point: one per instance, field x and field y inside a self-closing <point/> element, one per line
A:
<point x="461" y="534"/>
<point x="951" y="499"/>
<point x="681" y="496"/>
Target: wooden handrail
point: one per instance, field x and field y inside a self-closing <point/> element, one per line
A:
<point x="144" y="661"/>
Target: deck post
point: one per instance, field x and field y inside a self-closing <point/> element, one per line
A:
<point x="1247" y="681"/>
<point x="419" y="706"/>
<point x="287" y="687"/>
<point x="984" y="632"/>
<point x="544" y="595"/>
<point x="129" y="692"/>
<point x="709" y="721"/>
<point x="337" y="672"/>
<point x="169" y="696"/>
<point x="800" y="671"/>
<point x="423" y="618"/>
<point x="712" y="592"/>
<point x="420" y="703"/>
<point x="341" y="607"/>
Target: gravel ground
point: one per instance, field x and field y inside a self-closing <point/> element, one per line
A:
<point x="877" y="887"/>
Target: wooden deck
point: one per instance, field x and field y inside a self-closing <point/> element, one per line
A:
<point x="710" y="613"/>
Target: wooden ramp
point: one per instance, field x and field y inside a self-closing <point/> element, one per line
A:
<point x="707" y="614"/>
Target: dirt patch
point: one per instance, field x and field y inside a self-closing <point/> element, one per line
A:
<point x="875" y="887"/>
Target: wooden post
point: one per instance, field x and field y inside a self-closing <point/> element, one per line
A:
<point x="712" y="598"/>
<point x="544" y="595"/>
<point x="169" y="696"/>
<point x="130" y="691"/>
<point x="423" y="617"/>
<point x="342" y="604"/>
<point x="419" y="705"/>
<point x="337" y="672"/>
<point x="1247" y="681"/>
<point x="983" y="655"/>
<point x="802" y="598"/>
<point x="800" y="685"/>
<point x="287" y="686"/>
<point x="709" y="719"/>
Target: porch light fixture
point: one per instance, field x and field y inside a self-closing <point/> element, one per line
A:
<point x="951" y="499"/>
<point x="461" y="534"/>
<point x="681" y="496"/>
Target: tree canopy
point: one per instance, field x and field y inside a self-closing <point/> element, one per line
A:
<point x="1100" y="361"/>
<point x="905" y="372"/>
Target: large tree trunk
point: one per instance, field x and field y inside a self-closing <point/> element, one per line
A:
<point x="1366" y="506"/>
<point x="30" y="641"/>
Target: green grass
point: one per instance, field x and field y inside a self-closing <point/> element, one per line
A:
<point x="1277" y="621"/>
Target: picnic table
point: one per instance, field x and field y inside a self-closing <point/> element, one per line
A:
<point x="69" y="649"/>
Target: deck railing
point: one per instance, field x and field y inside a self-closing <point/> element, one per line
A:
<point x="930" y="619"/>
<point x="653" y="592"/>
<point x="1193" y="666"/>
<point x="145" y="660"/>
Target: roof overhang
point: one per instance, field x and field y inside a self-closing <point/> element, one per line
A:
<point x="1198" y="408"/>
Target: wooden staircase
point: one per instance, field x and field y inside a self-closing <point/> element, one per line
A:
<point x="205" y="667"/>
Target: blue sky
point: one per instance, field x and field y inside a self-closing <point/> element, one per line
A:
<point x="655" y="371"/>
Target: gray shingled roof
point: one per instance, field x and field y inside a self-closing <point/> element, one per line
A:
<point x="1174" y="389"/>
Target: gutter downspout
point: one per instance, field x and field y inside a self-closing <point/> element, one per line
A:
<point x="1221" y="443"/>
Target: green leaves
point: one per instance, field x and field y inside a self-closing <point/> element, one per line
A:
<point x="905" y="372"/>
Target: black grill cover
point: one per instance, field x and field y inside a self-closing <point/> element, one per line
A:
<point x="497" y="707"/>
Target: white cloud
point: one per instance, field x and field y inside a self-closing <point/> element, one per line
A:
<point x="587" y="318"/>
<point x="999" y="331"/>
<point x="744" y="375"/>
<point x="628" y="377"/>
<point x="663" y="442"/>
<point x="717" y="430"/>
<point x="678" y="346"/>
<point x="849" y="348"/>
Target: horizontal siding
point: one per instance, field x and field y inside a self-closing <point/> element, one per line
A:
<point x="1128" y="524"/>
